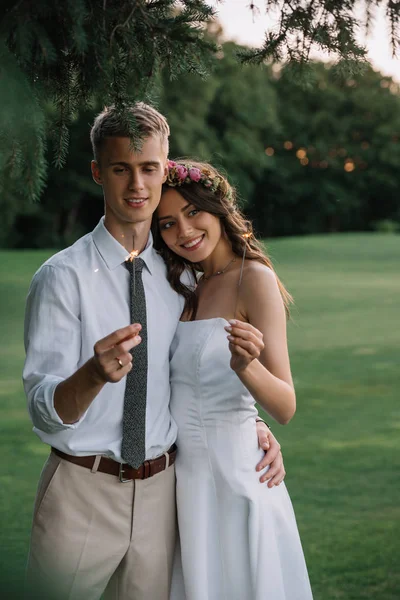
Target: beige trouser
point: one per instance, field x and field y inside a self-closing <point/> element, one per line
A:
<point x="92" y="534"/>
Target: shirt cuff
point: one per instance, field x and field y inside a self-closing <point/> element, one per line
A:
<point x="44" y="415"/>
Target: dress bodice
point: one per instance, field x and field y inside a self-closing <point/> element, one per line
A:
<point x="200" y="360"/>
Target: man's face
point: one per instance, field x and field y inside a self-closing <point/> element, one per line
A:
<point x="131" y="181"/>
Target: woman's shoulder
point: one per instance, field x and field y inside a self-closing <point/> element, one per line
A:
<point x="259" y="283"/>
<point x="255" y="272"/>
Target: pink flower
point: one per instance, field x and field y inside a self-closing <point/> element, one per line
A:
<point x="195" y="174"/>
<point x="182" y="172"/>
<point x="171" y="164"/>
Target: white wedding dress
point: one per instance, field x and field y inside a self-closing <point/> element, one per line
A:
<point x="239" y="538"/>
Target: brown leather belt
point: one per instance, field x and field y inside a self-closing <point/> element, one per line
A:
<point x="122" y="470"/>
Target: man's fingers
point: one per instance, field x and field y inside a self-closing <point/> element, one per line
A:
<point x="120" y="349"/>
<point x="263" y="435"/>
<point x="275" y="474"/>
<point x="116" y="337"/>
<point x="120" y="372"/>
<point x="125" y="346"/>
<point x="277" y="479"/>
<point x="269" y="456"/>
<point x="116" y="362"/>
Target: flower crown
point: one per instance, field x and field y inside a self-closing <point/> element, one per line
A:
<point x="180" y="173"/>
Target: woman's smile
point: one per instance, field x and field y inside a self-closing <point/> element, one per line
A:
<point x="194" y="243"/>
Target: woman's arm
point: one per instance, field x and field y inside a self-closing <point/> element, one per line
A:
<point x="258" y="343"/>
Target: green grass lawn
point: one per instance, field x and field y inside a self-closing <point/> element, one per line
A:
<point x="342" y="449"/>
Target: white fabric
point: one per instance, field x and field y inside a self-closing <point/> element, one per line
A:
<point x="77" y="297"/>
<point x="239" y="538"/>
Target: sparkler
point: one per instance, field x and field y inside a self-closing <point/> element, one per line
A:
<point x="131" y="256"/>
<point x="245" y="236"/>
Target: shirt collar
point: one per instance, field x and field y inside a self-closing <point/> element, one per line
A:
<point x="114" y="254"/>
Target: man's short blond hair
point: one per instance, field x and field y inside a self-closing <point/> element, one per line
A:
<point x="110" y="123"/>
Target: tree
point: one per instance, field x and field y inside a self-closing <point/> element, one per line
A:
<point x="64" y="53"/>
<point x="333" y="165"/>
<point x="224" y="120"/>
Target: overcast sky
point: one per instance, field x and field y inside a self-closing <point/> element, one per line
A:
<point x="240" y="25"/>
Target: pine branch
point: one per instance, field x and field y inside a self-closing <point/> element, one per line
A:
<point x="71" y="53"/>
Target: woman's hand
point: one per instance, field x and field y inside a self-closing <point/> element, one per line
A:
<point x="245" y="344"/>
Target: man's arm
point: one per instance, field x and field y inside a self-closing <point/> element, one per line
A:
<point x="73" y="396"/>
<point x="52" y="342"/>
<point x="59" y="392"/>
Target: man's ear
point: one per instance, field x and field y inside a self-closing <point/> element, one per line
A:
<point x="165" y="171"/>
<point x="94" y="165"/>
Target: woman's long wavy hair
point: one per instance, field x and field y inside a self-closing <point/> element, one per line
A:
<point x="221" y="203"/>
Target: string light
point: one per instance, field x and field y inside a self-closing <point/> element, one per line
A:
<point x="301" y="153"/>
<point x="269" y="151"/>
<point x="349" y="166"/>
<point x="304" y="161"/>
<point x="288" y="145"/>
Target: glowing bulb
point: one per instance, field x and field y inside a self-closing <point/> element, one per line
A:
<point x="301" y="153"/>
<point x="288" y="145"/>
<point x="349" y="166"/>
<point x="269" y="151"/>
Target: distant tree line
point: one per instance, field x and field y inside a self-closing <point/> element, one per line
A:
<point x="319" y="156"/>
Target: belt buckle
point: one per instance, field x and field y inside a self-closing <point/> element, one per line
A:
<point x="121" y="474"/>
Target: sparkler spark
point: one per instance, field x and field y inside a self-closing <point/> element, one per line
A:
<point x="132" y="255"/>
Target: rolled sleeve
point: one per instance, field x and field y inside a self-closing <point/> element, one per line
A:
<point x="52" y="339"/>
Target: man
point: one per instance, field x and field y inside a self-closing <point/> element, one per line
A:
<point x="104" y="516"/>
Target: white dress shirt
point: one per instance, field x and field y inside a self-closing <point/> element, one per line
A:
<point x="76" y="298"/>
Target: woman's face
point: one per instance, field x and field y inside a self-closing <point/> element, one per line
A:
<point x="187" y="231"/>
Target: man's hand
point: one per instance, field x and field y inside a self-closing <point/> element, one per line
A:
<point x="73" y="396"/>
<point x="273" y="456"/>
<point x="112" y="359"/>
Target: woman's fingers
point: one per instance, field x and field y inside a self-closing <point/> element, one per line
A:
<point x="241" y="327"/>
<point x="242" y="345"/>
<point x="248" y="335"/>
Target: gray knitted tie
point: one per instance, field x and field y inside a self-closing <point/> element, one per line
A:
<point x="133" y="448"/>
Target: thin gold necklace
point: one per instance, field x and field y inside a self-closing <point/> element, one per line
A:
<point x="221" y="271"/>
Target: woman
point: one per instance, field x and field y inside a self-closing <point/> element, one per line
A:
<point x="239" y="539"/>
